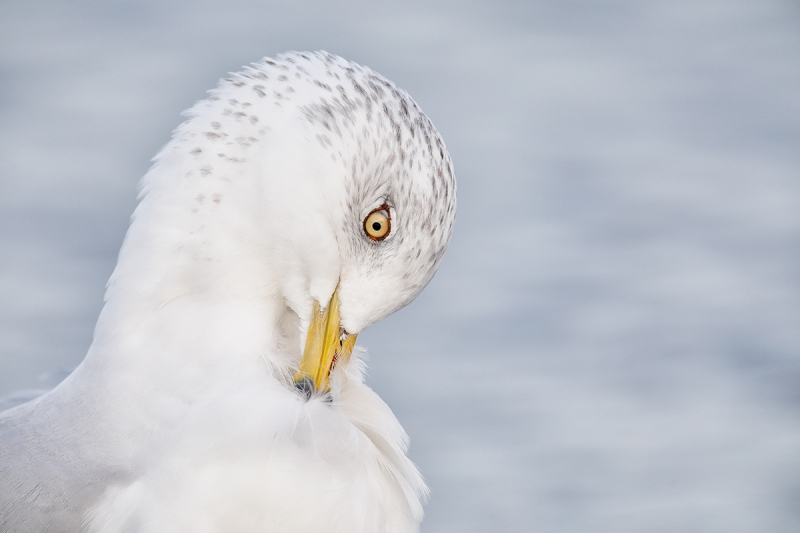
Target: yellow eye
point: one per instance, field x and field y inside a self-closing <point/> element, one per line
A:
<point x="378" y="223"/>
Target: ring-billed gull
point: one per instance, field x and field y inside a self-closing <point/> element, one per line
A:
<point x="306" y="198"/>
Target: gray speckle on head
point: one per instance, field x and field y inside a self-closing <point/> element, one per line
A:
<point x="388" y="148"/>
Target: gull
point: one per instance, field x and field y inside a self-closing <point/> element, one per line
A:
<point x="305" y="199"/>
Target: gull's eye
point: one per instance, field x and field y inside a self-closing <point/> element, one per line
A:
<point x="378" y="223"/>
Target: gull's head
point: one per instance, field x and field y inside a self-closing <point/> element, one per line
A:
<point x="307" y="180"/>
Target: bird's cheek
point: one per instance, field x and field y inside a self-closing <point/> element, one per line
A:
<point x="363" y="304"/>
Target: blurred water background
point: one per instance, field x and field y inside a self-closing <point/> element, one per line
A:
<point x="613" y="341"/>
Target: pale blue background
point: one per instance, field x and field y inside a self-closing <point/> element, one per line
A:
<point x="613" y="341"/>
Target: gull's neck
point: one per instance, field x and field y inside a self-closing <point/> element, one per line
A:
<point x="194" y="305"/>
<point x="198" y="301"/>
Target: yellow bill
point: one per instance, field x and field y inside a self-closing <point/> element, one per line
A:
<point x="327" y="344"/>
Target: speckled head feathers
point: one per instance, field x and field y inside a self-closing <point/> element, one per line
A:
<point x="303" y="147"/>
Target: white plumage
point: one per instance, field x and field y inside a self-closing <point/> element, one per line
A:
<point x="184" y="416"/>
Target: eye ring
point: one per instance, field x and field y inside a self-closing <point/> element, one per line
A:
<point x="378" y="223"/>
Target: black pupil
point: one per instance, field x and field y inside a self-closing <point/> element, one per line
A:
<point x="376" y="226"/>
